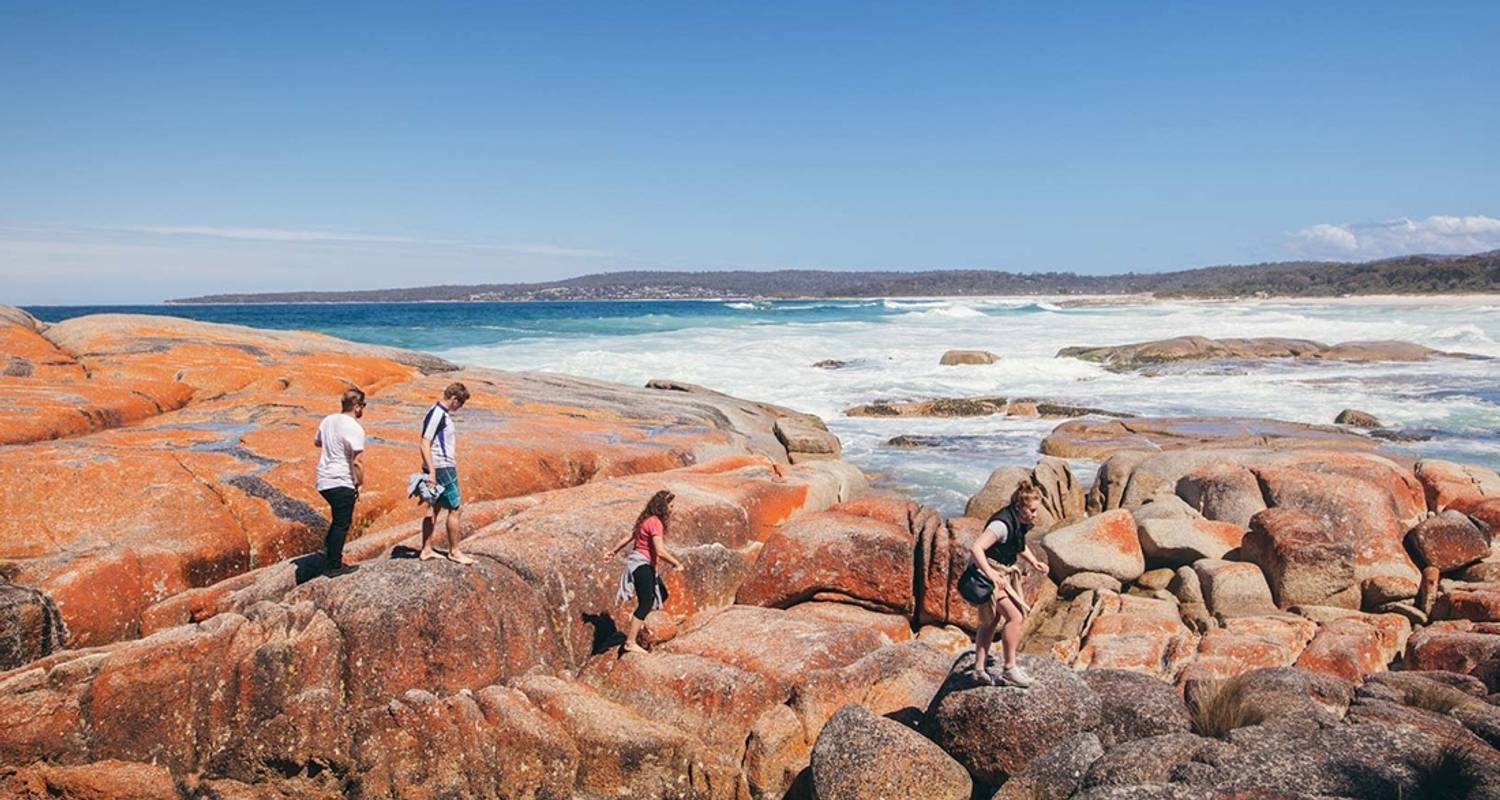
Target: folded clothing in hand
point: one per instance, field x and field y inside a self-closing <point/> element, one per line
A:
<point x="424" y="490"/>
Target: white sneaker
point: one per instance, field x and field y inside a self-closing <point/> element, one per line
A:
<point x="1015" y="676"/>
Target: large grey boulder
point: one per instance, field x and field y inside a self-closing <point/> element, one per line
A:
<point x="806" y="441"/>
<point x="1062" y="496"/>
<point x="1135" y="706"/>
<point x="1277" y="693"/>
<point x="1149" y="791"/>
<point x="1055" y="774"/>
<point x="996" y="731"/>
<point x="859" y="756"/>
<point x="1151" y="760"/>
<point x="1164" y="506"/>
<point x="1374" y="761"/>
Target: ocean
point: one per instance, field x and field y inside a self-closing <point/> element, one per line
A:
<point x="764" y="350"/>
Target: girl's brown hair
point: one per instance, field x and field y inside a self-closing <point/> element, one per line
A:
<point x="1025" y="492"/>
<point x="658" y="506"/>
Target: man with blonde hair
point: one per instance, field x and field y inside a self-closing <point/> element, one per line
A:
<point x="339" y="476"/>
<point x="440" y="462"/>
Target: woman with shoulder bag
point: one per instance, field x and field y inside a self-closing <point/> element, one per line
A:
<point x="992" y="583"/>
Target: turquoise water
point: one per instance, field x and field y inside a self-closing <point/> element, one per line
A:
<point x="765" y="351"/>
<point x="436" y="326"/>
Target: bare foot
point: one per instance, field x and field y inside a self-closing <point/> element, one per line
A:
<point x="427" y="555"/>
<point x="459" y="558"/>
<point x="632" y="647"/>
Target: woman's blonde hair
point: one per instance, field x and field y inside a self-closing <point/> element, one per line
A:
<point x="1026" y="491"/>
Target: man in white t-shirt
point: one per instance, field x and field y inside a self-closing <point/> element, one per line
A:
<point x="340" y="474"/>
<point x="440" y="462"/>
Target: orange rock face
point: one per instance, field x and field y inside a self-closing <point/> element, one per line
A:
<point x="1106" y="543"/>
<point x="395" y="674"/>
<point x="1457" y="646"/>
<point x="1346" y="648"/>
<point x="834" y="553"/>
<point x="1478" y="602"/>
<point x="1138" y="634"/>
<point x="1446" y="483"/>
<point x="1448" y="541"/>
<point x="1358" y="512"/>
<point x="206" y="661"/>
<point x="1304" y="560"/>
<point x="203" y="469"/>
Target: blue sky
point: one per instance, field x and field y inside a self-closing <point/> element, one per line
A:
<point x="162" y="149"/>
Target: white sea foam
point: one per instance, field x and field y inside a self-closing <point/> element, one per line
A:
<point x="949" y="311"/>
<point x="900" y="304"/>
<point x="896" y="356"/>
<point x="1462" y="333"/>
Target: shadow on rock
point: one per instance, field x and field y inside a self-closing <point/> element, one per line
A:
<point x="606" y="635"/>
<point x="309" y="566"/>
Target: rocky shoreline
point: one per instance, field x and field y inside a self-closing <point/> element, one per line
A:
<point x="1243" y="607"/>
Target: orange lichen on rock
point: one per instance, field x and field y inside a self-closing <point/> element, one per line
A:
<point x="174" y="454"/>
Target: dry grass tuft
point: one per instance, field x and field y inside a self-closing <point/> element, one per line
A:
<point x="1433" y="696"/>
<point x="1219" y="707"/>
<point x="1449" y="773"/>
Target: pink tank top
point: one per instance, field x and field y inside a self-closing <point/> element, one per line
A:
<point x="649" y="527"/>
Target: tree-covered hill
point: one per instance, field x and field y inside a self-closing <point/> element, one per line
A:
<point x="1405" y="275"/>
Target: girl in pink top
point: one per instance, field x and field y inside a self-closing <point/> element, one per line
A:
<point x="640" y="577"/>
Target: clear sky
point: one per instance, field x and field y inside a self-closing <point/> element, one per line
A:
<point x="153" y="150"/>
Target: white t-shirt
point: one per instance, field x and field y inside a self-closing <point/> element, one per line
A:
<point x="437" y="427"/>
<point x="341" y="437"/>
<point x="999" y="529"/>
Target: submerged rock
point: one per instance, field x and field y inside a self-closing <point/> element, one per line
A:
<point x="1101" y="439"/>
<point x="1355" y="418"/>
<point x="1200" y="348"/>
<point x="960" y="357"/>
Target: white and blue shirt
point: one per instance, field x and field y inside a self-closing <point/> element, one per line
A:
<point x="437" y="427"/>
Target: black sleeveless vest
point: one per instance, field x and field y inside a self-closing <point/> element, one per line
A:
<point x="1008" y="551"/>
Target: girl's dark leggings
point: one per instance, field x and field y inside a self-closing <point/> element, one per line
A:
<point x="644" y="579"/>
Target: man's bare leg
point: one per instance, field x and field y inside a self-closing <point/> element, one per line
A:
<point x="455" y="530"/>
<point x="429" y="525"/>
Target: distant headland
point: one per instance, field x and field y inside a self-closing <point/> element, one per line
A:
<point x="1407" y="275"/>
